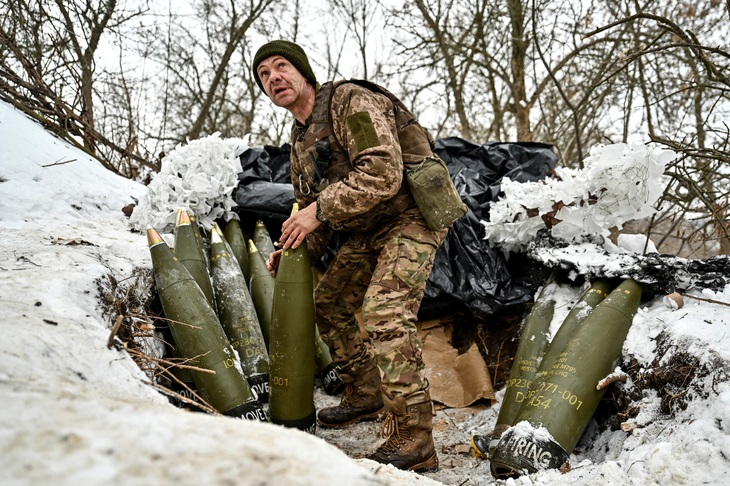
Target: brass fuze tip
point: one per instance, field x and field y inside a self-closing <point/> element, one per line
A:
<point x="182" y="217"/>
<point x="153" y="237"/>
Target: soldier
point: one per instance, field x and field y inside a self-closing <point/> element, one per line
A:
<point x="347" y="169"/>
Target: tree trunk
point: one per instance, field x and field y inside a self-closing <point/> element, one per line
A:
<point x="519" y="53"/>
<point x="235" y="39"/>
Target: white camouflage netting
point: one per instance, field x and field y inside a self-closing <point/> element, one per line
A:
<point x="620" y="182"/>
<point x="200" y="177"/>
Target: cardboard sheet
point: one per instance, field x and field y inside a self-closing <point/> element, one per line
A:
<point x="456" y="380"/>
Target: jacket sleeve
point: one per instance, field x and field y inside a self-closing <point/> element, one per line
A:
<point x="364" y="124"/>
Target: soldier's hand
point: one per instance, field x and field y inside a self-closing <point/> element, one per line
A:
<point x="272" y="264"/>
<point x="298" y="226"/>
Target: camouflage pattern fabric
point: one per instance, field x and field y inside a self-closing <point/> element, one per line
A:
<point x="364" y="184"/>
<point x="385" y="264"/>
<point x="385" y="273"/>
<point x="376" y="158"/>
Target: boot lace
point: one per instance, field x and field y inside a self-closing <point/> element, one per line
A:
<point x="392" y="431"/>
<point x="347" y="395"/>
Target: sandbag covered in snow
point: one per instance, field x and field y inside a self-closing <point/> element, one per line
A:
<point x="467" y="271"/>
<point x="658" y="273"/>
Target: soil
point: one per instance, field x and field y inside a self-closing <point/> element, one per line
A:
<point x="673" y="375"/>
<point x="453" y="429"/>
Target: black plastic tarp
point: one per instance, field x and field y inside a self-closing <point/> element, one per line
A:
<point x="264" y="188"/>
<point x="467" y="272"/>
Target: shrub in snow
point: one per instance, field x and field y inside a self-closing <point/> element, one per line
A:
<point x="200" y="177"/>
<point x="619" y="183"/>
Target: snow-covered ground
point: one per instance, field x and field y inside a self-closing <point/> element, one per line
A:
<point x="74" y="411"/>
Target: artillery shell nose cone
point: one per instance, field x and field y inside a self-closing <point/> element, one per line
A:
<point x="183" y="218"/>
<point x="263" y="240"/>
<point x="153" y="237"/>
<point x="217" y="229"/>
<point x="215" y="237"/>
<point x="252" y="247"/>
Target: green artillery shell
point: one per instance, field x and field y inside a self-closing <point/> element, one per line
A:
<point x="199" y="336"/>
<point x="292" y="343"/>
<point x="326" y="367"/>
<point x="532" y="345"/>
<point x="580" y="311"/>
<point x="237" y="241"/>
<point x="238" y="315"/>
<point x="262" y="239"/>
<point x="187" y="251"/>
<point x="262" y="289"/>
<point x="566" y="397"/>
<point x="202" y="242"/>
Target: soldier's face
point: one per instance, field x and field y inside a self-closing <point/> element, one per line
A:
<point x="283" y="83"/>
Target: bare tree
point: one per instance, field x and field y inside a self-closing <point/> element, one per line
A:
<point x="48" y="64"/>
<point x="205" y="56"/>
<point x="678" y="62"/>
<point x="502" y="65"/>
<point x="440" y="39"/>
<point x="92" y="20"/>
<point x="357" y="16"/>
<point x="575" y="74"/>
<point x="237" y="23"/>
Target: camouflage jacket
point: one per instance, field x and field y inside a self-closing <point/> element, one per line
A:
<point x="361" y="187"/>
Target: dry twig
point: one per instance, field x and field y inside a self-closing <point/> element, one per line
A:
<point x="117" y="324"/>
<point x="613" y="378"/>
<point x="707" y="300"/>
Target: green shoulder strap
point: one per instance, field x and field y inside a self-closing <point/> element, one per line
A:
<point x="415" y="141"/>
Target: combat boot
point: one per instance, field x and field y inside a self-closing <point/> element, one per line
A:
<point x="408" y="426"/>
<point x="361" y="400"/>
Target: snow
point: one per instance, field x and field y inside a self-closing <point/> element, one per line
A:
<point x="636" y="243"/>
<point x="620" y="182"/>
<point x="74" y="411"/>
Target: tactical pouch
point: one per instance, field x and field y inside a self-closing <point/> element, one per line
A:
<point x="435" y="193"/>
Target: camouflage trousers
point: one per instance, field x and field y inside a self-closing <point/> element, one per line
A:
<point x="384" y="273"/>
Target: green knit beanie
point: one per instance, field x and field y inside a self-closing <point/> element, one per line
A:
<point x="289" y="51"/>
